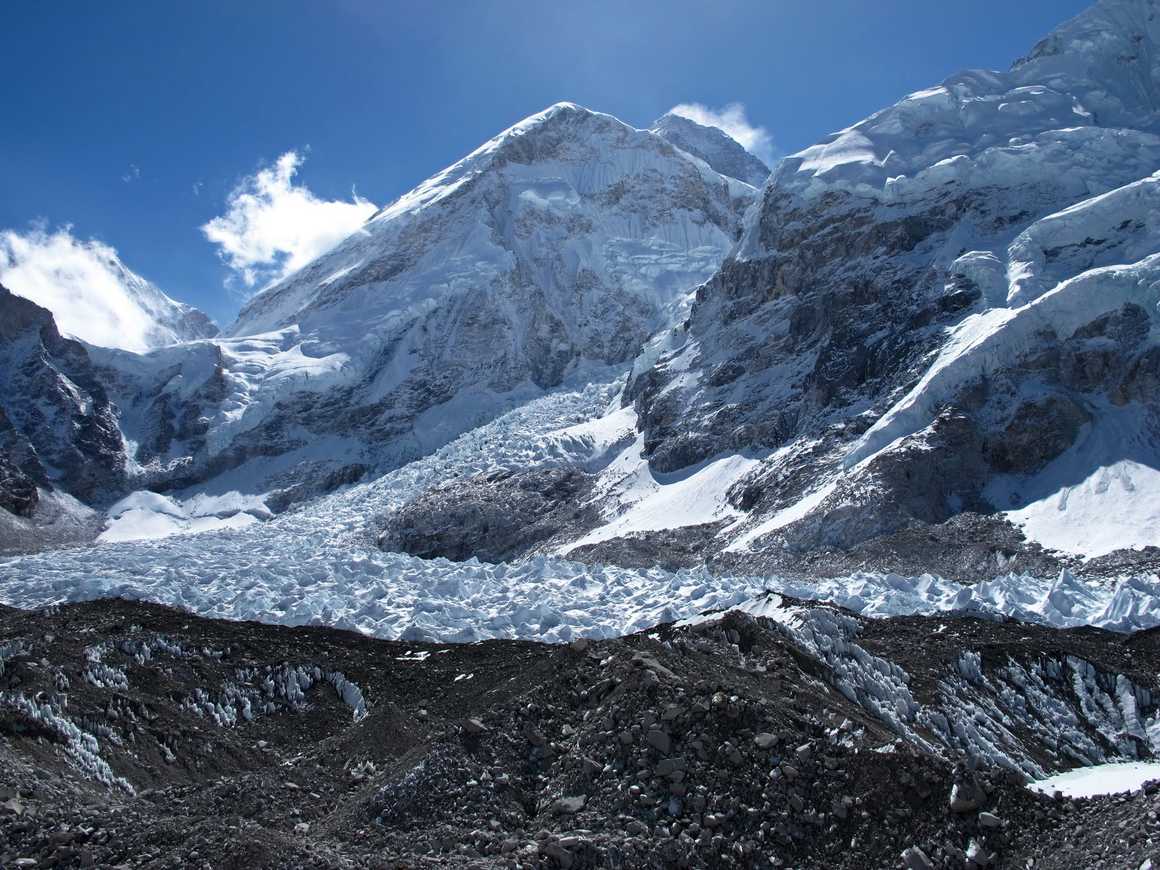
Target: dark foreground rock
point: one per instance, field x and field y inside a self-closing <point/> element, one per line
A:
<point x="138" y="736"/>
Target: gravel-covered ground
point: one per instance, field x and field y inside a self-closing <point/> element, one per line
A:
<point x="140" y="736"/>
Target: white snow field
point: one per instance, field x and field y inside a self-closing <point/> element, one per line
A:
<point x="320" y="565"/>
<point x="1099" y="779"/>
<point x="635" y="498"/>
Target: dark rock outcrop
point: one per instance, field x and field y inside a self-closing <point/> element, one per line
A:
<point x="493" y="517"/>
<point x="57" y="425"/>
<point x="134" y="730"/>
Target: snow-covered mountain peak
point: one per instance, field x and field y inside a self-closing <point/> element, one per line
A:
<point x="1107" y="55"/>
<point x="561" y="174"/>
<point x="448" y="180"/>
<point x="93" y="295"/>
<point x="713" y="145"/>
<point x="560" y="110"/>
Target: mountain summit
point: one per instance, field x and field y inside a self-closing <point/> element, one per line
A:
<point x="714" y="146"/>
<point x="610" y="203"/>
<point x="93" y="295"/>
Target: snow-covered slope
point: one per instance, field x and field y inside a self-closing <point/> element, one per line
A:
<point x="93" y="295"/>
<point x="714" y="146"/>
<point x="950" y="306"/>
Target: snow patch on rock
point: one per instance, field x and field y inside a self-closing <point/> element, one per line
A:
<point x="1099" y="779"/>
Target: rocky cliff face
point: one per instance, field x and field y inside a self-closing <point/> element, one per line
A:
<point x="948" y="307"/>
<point x="57" y="425"/>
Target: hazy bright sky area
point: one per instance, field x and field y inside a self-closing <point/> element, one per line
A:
<point x="215" y="145"/>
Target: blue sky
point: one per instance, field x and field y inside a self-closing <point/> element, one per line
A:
<point x="133" y="122"/>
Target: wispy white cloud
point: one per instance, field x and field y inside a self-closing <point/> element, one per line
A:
<point x="197" y="186"/>
<point x="83" y="284"/>
<point x="132" y="173"/>
<point x="273" y="227"/>
<point x="732" y="119"/>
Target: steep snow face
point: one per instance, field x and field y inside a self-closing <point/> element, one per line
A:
<point x="593" y="217"/>
<point x="714" y="146"/>
<point x="93" y="295"/>
<point x="1107" y="58"/>
<point x="927" y="311"/>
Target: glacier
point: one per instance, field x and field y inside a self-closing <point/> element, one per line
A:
<point x="319" y="565"/>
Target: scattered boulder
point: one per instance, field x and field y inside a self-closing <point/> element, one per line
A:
<point x="567" y="806"/>
<point x="915" y="859"/>
<point x="765" y="740"/>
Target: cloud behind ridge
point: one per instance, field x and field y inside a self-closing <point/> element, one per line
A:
<point x="273" y="227"/>
<point x="732" y="119"/>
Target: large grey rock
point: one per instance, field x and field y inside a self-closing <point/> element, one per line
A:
<point x="492" y="517"/>
<point x="20" y="471"/>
